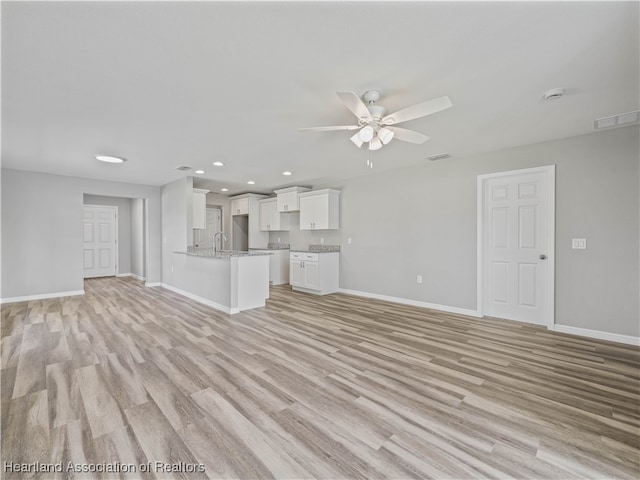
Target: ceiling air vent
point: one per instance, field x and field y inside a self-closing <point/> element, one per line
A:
<point x="617" y="120"/>
<point x="440" y="156"/>
<point x="183" y="168"/>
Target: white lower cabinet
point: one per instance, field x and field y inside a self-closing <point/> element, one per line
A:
<point x="314" y="272"/>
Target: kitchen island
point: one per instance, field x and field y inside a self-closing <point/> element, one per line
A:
<point x="227" y="281"/>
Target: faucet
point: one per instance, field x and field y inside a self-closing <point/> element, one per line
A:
<point x="224" y="238"/>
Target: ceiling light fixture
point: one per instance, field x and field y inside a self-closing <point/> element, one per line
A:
<point x="287" y="173"/>
<point x="218" y="164"/>
<point x="251" y="182"/>
<point x="199" y="172"/>
<point x="357" y="140"/>
<point x="375" y="144"/>
<point x="110" y="159"/>
<point x="385" y="135"/>
<point x="366" y="133"/>
<point x="224" y="189"/>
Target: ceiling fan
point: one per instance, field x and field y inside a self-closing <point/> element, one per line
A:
<point x="376" y="126"/>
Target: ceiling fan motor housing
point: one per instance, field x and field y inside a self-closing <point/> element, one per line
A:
<point x="377" y="112"/>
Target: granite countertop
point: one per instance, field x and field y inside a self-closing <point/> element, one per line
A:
<point x="274" y="246"/>
<point x="318" y="249"/>
<point x="209" y="253"/>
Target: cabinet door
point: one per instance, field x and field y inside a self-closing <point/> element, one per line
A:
<point x="306" y="212"/>
<point x="296" y="273"/>
<point x="321" y="212"/>
<point x="240" y="206"/>
<point x="266" y="216"/>
<point x="284" y="202"/>
<point x="311" y="275"/>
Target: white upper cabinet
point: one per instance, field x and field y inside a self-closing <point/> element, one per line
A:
<point x="240" y="206"/>
<point x="199" y="208"/>
<point x="320" y="210"/>
<point x="288" y="198"/>
<point x="270" y="218"/>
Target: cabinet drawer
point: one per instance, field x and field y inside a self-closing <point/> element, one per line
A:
<point x="309" y="257"/>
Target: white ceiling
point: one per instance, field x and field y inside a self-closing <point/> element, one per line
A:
<point x="166" y="84"/>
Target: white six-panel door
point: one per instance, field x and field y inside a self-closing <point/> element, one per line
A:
<point x="516" y="234"/>
<point x="100" y="246"/>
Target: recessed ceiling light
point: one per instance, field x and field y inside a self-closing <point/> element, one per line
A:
<point x="110" y="159"/>
<point x="251" y="182"/>
<point x="199" y="172"/>
<point x="218" y="164"/>
<point x="286" y="173"/>
<point x="224" y="189"/>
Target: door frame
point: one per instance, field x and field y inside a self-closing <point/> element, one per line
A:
<point x="550" y="171"/>
<point x="115" y="236"/>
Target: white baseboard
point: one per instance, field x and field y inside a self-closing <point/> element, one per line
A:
<point x="132" y="275"/>
<point x="42" y="296"/>
<point x="199" y="299"/>
<point x="415" y="303"/>
<point x="598" y="334"/>
<point x="153" y="284"/>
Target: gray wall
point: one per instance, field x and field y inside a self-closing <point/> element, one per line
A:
<point x="176" y="225"/>
<point x="42" y="230"/>
<point x="422" y="221"/>
<point x="137" y="237"/>
<point x="124" y="227"/>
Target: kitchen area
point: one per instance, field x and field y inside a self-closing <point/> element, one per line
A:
<point x="237" y="247"/>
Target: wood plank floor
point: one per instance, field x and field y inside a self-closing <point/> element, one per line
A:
<point x="333" y="387"/>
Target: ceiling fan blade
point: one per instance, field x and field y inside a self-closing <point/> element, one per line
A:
<point x="357" y="106"/>
<point x="328" y="129"/>
<point x="416" y="111"/>
<point x="408" y="135"/>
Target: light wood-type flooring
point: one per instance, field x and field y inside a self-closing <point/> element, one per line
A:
<point x="333" y="387"/>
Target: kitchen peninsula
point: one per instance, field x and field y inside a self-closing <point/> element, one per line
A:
<point x="227" y="281"/>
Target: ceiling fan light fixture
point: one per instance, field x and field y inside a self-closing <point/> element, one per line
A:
<point x="375" y="144"/>
<point x="385" y="135"/>
<point x="366" y="133"/>
<point x="357" y="140"/>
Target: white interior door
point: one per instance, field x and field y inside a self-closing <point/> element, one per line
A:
<point x="516" y="218"/>
<point x="100" y="241"/>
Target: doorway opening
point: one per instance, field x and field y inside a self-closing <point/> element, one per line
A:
<point x="115" y="243"/>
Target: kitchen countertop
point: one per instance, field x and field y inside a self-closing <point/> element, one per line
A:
<point x="272" y="248"/>
<point x="209" y="253"/>
<point x="318" y="249"/>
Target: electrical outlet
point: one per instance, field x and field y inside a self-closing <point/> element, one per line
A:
<point x="322" y="240"/>
<point x="419" y="279"/>
<point x="579" y="243"/>
<point x="349" y="240"/>
<point x="278" y="239"/>
<point x="171" y="268"/>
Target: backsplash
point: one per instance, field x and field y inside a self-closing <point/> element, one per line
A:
<point x="300" y="240"/>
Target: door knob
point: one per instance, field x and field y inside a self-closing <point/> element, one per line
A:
<point x="542" y="257"/>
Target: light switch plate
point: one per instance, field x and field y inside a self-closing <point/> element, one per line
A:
<point x="579" y="243"/>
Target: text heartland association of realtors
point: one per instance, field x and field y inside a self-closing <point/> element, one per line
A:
<point x="116" y="467"/>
